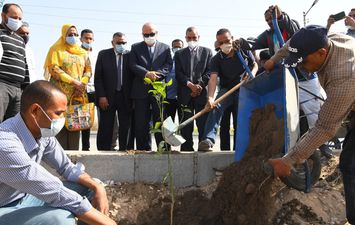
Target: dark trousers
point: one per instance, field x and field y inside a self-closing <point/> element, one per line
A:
<point x="194" y="107"/>
<point x="225" y="127"/>
<point x="347" y="167"/>
<point x="145" y="111"/>
<point x="132" y="134"/>
<point x="105" y="131"/>
<point x="9" y="101"/>
<point x="172" y="108"/>
<point x="85" y="139"/>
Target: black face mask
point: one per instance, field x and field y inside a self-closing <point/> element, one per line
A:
<point x="25" y="38"/>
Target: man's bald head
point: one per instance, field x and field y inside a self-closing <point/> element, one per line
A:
<point x="149" y="28"/>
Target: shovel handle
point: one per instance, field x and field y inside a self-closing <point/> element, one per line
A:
<point x="205" y="110"/>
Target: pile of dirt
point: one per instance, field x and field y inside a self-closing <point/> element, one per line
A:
<point x="243" y="195"/>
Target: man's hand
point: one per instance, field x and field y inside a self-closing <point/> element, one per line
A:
<point x="100" y="201"/>
<point x="94" y="217"/>
<point x="280" y="168"/>
<point x="330" y="22"/>
<point x="152" y="75"/>
<point x="276" y="9"/>
<point x="210" y="104"/>
<point x="195" y="89"/>
<point x="103" y="103"/>
<point x="269" y="65"/>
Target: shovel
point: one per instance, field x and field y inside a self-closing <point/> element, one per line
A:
<point x="169" y="128"/>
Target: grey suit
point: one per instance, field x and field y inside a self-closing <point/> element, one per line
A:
<point x="144" y="103"/>
<point x="198" y="73"/>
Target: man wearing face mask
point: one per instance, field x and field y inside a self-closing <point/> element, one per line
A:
<point x="151" y="59"/>
<point x="87" y="38"/>
<point x="192" y="73"/>
<point x="171" y="91"/>
<point x="230" y="71"/>
<point x="113" y="84"/>
<point x="24" y="32"/>
<point x="29" y="194"/>
<point x="13" y="73"/>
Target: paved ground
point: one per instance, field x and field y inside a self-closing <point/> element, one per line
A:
<point x="215" y="148"/>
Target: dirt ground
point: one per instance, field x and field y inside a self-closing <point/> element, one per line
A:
<point x="243" y="194"/>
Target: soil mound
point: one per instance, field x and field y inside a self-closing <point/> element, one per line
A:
<point x="243" y="195"/>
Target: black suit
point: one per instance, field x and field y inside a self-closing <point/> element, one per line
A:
<point x="145" y="104"/>
<point x="200" y="75"/>
<point x="106" y="77"/>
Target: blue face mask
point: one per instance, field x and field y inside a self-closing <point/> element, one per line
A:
<point x="86" y="45"/>
<point x="120" y="48"/>
<point x="71" y="40"/>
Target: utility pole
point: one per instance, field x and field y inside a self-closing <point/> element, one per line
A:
<point x="305" y="13"/>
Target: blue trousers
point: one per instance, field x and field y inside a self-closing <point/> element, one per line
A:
<point x="215" y="116"/>
<point x="347" y="167"/>
<point x="32" y="211"/>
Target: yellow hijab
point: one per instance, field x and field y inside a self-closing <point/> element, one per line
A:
<point x="57" y="49"/>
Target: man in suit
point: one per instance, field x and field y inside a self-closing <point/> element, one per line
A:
<point x="172" y="108"/>
<point x="152" y="59"/>
<point x="113" y="82"/>
<point x="192" y="74"/>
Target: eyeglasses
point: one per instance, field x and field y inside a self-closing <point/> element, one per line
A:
<point x="121" y="43"/>
<point x="71" y="35"/>
<point x="149" y="35"/>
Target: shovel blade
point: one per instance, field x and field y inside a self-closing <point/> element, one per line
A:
<point x="169" y="129"/>
<point x="175" y="140"/>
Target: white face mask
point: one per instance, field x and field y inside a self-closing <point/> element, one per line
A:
<point x="175" y="50"/>
<point x="13" y="24"/>
<point x="192" y="44"/>
<point x="226" y="48"/>
<point x="55" y="128"/>
<point x="149" y="40"/>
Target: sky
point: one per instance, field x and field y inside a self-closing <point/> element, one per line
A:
<point x="105" y="17"/>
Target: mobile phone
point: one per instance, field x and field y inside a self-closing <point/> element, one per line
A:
<point x="338" y="16"/>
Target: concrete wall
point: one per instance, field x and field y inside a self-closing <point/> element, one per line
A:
<point x="189" y="169"/>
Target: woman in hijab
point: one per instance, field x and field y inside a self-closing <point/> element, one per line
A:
<point x="68" y="66"/>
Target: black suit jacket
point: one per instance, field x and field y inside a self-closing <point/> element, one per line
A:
<point x="201" y="75"/>
<point x="105" y="79"/>
<point x="141" y="63"/>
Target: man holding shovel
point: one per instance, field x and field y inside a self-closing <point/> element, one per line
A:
<point x="230" y="71"/>
<point x="332" y="57"/>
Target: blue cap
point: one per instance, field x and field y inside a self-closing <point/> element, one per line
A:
<point x="306" y="41"/>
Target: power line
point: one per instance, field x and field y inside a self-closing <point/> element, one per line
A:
<point x="137" y="13"/>
<point x="126" y="21"/>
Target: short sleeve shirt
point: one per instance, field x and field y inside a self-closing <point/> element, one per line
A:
<point x="230" y="69"/>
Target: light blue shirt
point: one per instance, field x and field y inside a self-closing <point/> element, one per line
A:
<point x="21" y="172"/>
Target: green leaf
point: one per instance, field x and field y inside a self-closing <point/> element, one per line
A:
<point x="187" y="110"/>
<point x="161" y="147"/>
<point x="147" y="80"/>
<point x="170" y="82"/>
<point x="154" y="92"/>
<point x="157" y="125"/>
<point x="165" y="102"/>
<point x="154" y="131"/>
